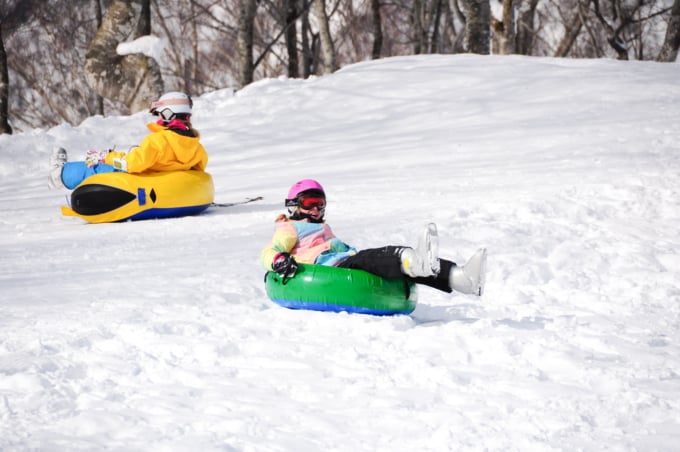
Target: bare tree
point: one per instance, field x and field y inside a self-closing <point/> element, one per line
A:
<point x="572" y="30"/>
<point x="669" y="51"/>
<point x="213" y="44"/>
<point x="184" y="68"/>
<point x="133" y="79"/>
<point x="526" y="33"/>
<point x="4" y="88"/>
<point x="503" y="31"/>
<point x="310" y="46"/>
<point x="509" y="27"/>
<point x="433" y="28"/>
<point x="291" y="17"/>
<point x="246" y="16"/>
<point x="419" y="26"/>
<point x="455" y="13"/>
<point x="377" y="30"/>
<point x="45" y="59"/>
<point x="438" y="11"/>
<point x="329" y="61"/>
<point x="12" y="14"/>
<point x="621" y="22"/>
<point x="477" y="25"/>
<point x="614" y="31"/>
<point x="99" y="15"/>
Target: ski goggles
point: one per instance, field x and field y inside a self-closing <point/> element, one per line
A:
<point x="166" y="114"/>
<point x="309" y="202"/>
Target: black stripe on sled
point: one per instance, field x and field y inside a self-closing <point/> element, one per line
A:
<point x="95" y="199"/>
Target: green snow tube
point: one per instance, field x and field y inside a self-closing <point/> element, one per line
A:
<point x="323" y="288"/>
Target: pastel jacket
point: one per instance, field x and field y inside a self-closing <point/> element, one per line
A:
<point x="164" y="150"/>
<point x="308" y="243"/>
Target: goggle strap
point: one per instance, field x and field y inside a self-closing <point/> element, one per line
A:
<point x="297" y="202"/>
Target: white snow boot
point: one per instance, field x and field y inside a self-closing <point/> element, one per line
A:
<point x="428" y="248"/>
<point x="57" y="160"/>
<point x="469" y="279"/>
<point x="422" y="261"/>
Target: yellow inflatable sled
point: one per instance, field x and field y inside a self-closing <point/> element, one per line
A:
<point x="111" y="197"/>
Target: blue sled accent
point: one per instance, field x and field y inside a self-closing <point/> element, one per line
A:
<point x="318" y="306"/>
<point x="168" y="213"/>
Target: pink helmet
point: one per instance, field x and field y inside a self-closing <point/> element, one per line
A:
<point x="303" y="187"/>
<point x="297" y="191"/>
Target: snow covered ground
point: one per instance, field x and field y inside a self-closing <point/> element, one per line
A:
<point x="158" y="335"/>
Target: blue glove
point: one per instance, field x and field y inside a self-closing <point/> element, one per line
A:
<point x="284" y="264"/>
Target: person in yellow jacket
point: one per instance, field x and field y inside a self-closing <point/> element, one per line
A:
<point x="173" y="145"/>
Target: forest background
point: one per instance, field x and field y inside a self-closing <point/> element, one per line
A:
<point x="66" y="60"/>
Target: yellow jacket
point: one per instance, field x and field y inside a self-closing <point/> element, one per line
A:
<point x="163" y="150"/>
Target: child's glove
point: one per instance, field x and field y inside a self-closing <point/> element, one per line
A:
<point x="284" y="264"/>
<point x="95" y="158"/>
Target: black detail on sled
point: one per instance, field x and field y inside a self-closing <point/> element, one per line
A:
<point x="95" y="199"/>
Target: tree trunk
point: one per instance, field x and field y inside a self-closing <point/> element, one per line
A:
<point x="327" y="47"/>
<point x="477" y="26"/>
<point x="308" y="56"/>
<point x="571" y="32"/>
<point x="193" y="64"/>
<point x="246" y="17"/>
<point x="418" y="27"/>
<point x="134" y="79"/>
<point x="669" y="51"/>
<point x="503" y="31"/>
<point x="524" y="42"/>
<point x="4" y="88"/>
<point x="613" y="33"/>
<point x="99" y="108"/>
<point x="459" y="43"/>
<point x="508" y="47"/>
<point x="436" y="18"/>
<point x="377" y="30"/>
<point x="144" y="24"/>
<point x="291" y="16"/>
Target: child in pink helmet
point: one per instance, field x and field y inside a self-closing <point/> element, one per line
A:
<point x="304" y="237"/>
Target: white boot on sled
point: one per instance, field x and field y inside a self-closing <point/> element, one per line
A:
<point x="57" y="160"/>
<point x="469" y="279"/>
<point x="423" y="260"/>
<point x="428" y="248"/>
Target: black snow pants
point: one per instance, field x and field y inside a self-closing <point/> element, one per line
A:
<point x="386" y="263"/>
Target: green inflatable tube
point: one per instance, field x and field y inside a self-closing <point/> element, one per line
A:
<point x="323" y="288"/>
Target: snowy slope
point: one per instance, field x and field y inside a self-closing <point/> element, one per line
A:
<point x="158" y="335"/>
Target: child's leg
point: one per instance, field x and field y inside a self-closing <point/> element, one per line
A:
<point x="467" y="279"/>
<point x="441" y="280"/>
<point x="384" y="262"/>
<point x="74" y="173"/>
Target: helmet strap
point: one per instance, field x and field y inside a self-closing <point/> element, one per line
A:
<point x="176" y="123"/>
<point x="298" y="215"/>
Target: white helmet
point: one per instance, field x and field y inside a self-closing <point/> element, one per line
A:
<point x="175" y="101"/>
